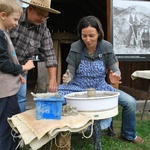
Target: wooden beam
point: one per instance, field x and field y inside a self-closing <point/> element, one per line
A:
<point x="108" y="9"/>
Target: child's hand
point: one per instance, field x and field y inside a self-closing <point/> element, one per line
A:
<point x="22" y="79"/>
<point x="28" y="65"/>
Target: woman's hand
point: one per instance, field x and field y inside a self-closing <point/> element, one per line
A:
<point x="66" y="77"/>
<point x="114" y="78"/>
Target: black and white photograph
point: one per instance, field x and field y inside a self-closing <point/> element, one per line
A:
<point x="131" y="28"/>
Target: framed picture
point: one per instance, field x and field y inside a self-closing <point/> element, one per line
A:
<point x="131" y="30"/>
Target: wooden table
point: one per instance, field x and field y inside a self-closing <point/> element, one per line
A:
<point x="37" y="133"/>
<point x="145" y="74"/>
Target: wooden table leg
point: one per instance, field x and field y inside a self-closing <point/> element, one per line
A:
<point x="61" y="142"/>
<point x="148" y="93"/>
<point x="143" y="109"/>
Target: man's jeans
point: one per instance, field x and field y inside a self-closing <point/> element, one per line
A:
<point x="128" y="103"/>
<point x="22" y="95"/>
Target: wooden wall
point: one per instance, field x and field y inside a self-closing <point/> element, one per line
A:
<point x="58" y="40"/>
<point x="137" y="87"/>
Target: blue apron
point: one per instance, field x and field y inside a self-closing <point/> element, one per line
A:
<point x="89" y="75"/>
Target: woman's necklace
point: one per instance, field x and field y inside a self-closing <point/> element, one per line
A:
<point x="91" y="53"/>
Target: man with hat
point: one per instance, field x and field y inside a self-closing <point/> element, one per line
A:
<point x="31" y="37"/>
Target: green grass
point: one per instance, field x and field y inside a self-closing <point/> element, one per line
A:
<point x="115" y="143"/>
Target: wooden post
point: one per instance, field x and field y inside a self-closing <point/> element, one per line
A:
<point x="109" y="25"/>
<point x="42" y="77"/>
<point x="61" y="142"/>
<point x="109" y="29"/>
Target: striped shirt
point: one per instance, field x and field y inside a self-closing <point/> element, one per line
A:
<point x="30" y="40"/>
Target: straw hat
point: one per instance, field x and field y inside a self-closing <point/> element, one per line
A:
<point x="42" y="4"/>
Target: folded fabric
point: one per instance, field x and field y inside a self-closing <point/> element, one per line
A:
<point x="145" y="74"/>
<point x="36" y="133"/>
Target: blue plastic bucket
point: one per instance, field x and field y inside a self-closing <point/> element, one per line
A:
<point x="49" y="108"/>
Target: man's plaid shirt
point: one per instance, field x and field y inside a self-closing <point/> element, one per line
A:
<point x="31" y="40"/>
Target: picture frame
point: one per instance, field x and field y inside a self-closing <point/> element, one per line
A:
<point x="131" y="29"/>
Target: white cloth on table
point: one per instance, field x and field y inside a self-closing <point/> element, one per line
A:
<point x="37" y="133"/>
<point x="145" y="74"/>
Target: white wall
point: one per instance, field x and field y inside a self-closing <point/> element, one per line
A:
<point x="23" y="4"/>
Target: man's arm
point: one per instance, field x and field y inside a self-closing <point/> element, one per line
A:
<point x="52" y="84"/>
